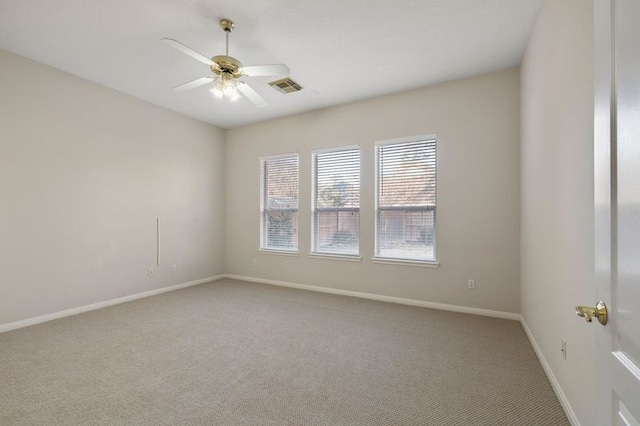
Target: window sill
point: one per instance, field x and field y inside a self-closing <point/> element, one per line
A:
<point x="343" y="257"/>
<point x="279" y="252"/>
<point x="420" y="263"/>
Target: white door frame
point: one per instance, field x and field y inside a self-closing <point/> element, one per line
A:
<point x="603" y="115"/>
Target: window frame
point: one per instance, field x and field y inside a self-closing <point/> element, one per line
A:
<point x="264" y="209"/>
<point x="377" y="209"/>
<point x="314" y="209"/>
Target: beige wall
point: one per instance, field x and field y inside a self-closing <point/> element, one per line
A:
<point x="478" y="214"/>
<point x="84" y="172"/>
<point x="557" y="194"/>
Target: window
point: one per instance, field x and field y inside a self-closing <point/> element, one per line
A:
<point x="279" y="203"/>
<point x="406" y="199"/>
<point x="336" y="201"/>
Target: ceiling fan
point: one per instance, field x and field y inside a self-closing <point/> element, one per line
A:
<point x="227" y="71"/>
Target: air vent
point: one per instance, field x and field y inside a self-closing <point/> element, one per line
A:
<point x="286" y="85"/>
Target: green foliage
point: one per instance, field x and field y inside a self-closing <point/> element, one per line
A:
<point x="280" y="229"/>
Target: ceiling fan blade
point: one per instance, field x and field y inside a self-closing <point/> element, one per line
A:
<point x="260" y="70"/>
<point x="187" y="50"/>
<point x="252" y="95"/>
<point x="193" y="84"/>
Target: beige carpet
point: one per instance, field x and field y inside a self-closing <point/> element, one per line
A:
<point x="235" y="353"/>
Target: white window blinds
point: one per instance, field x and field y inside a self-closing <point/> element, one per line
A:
<point x="279" y="203"/>
<point x="336" y="201"/>
<point x="406" y="200"/>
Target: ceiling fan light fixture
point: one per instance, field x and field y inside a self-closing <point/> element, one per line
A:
<point x="217" y="91"/>
<point x="225" y="89"/>
<point x="229" y="89"/>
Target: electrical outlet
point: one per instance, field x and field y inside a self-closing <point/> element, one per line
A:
<point x="150" y="272"/>
<point x="254" y="262"/>
<point x="174" y="268"/>
<point x="563" y="348"/>
<point x="471" y="284"/>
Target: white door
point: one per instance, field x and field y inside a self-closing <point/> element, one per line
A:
<point x="617" y="209"/>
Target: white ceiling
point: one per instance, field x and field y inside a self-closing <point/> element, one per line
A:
<point x="338" y="50"/>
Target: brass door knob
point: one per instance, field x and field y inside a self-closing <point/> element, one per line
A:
<point x="587" y="312"/>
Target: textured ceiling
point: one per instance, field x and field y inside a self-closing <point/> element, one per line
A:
<point x="338" y="50"/>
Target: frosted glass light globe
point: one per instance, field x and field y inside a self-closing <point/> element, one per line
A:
<point x="217" y="91"/>
<point x="229" y="90"/>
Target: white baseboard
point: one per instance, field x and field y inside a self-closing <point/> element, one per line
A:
<point x="382" y="298"/>
<point x="73" y="311"/>
<point x="573" y="419"/>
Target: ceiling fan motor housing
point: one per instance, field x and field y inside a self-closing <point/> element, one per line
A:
<point x="226" y="65"/>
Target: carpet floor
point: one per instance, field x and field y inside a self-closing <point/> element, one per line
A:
<point x="237" y="353"/>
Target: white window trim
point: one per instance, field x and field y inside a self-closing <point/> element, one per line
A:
<point x="336" y="256"/>
<point x="261" y="247"/>
<point x="291" y="253"/>
<point x="334" y="148"/>
<point x="393" y="261"/>
<point x="409" y="139"/>
<point x="343" y="257"/>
